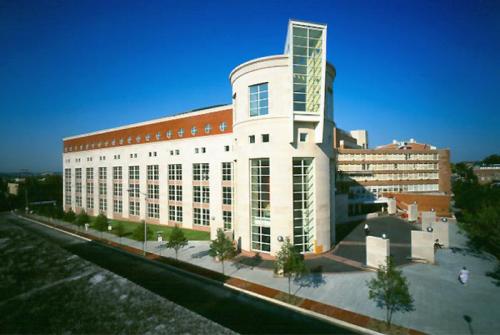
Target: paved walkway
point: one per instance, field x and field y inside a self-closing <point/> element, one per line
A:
<point x="442" y="304"/>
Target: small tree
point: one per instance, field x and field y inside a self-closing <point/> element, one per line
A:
<point x="101" y="222"/>
<point x="177" y="240"/>
<point x="390" y="290"/>
<point x="82" y="218"/>
<point x="120" y="230"/>
<point x="289" y="262"/>
<point x="222" y="248"/>
<point x="70" y="216"/>
<point x="138" y="233"/>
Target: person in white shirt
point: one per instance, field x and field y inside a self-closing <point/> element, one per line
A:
<point x="463" y="276"/>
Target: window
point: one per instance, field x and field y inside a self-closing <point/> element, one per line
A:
<point x="102" y="173"/>
<point x="103" y="205"/>
<point x="307" y="56"/>
<point x="133" y="190"/>
<point x="153" y="191"/>
<point x="227" y="195"/>
<point x="175" y="192"/>
<point x="194" y="131"/>
<point x="302" y="137"/>
<point x="203" y="150"/>
<point x="175" y="213"/>
<point x="117" y="172"/>
<point x="133" y="172"/>
<point x="258" y="99"/>
<point x="153" y="172"/>
<point x="158" y="135"/>
<point x="117" y="190"/>
<point x="196" y="150"/>
<point x="148" y="137"/>
<point x="67" y="186"/>
<point x="201" y="194"/>
<point x="134" y="208"/>
<point x="168" y="133"/>
<point x="227" y="218"/>
<point x="153" y="210"/>
<point x="251" y="139"/>
<point x="208" y="128"/>
<point x="223" y="126"/>
<point x="201" y="216"/>
<point x="201" y="171"/>
<point x="227" y="170"/>
<point x="138" y="139"/>
<point x="265" y="138"/>
<point x="226" y="148"/>
<point x="180" y="132"/>
<point x="177" y="152"/>
<point x="117" y="206"/>
<point x="174" y="172"/>
<point x="303" y="204"/>
<point x="260" y="204"/>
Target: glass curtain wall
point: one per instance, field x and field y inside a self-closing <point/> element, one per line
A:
<point x="260" y="204"/>
<point x="307" y="68"/>
<point x="303" y="204"/>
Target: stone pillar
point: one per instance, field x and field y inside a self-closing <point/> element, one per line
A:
<point x="422" y="245"/>
<point x="412" y="212"/>
<point x="377" y="251"/>
<point x="391" y="206"/>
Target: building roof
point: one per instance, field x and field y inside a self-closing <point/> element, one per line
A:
<point x="406" y="145"/>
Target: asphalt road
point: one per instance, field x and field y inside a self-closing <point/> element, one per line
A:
<point x="234" y="310"/>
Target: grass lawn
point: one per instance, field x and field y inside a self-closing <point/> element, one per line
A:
<point x="192" y="235"/>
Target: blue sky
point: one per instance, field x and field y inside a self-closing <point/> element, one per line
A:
<point x="427" y="70"/>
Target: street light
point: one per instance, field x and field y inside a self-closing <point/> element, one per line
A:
<point x="144" y="221"/>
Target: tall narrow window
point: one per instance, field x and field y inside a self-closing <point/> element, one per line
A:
<point x="258" y="99"/>
<point x="303" y="204"/>
<point x="260" y="204"/>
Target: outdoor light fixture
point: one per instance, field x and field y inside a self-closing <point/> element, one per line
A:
<point x="280" y="238"/>
<point x="430" y="230"/>
<point x="384" y="236"/>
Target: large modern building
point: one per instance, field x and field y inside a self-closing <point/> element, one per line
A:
<point x="261" y="167"/>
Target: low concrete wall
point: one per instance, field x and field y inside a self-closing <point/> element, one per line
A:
<point x="428" y="219"/>
<point x="412" y="212"/>
<point x="377" y="251"/>
<point x="422" y="245"/>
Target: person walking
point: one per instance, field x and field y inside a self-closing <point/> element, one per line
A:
<point x="367" y="229"/>
<point x="463" y="276"/>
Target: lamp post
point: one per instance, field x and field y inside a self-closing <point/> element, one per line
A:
<point x="144" y="221"/>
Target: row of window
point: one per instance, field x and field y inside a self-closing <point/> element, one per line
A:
<point x="387" y="166"/>
<point x="264" y="138"/>
<point x="129" y="140"/>
<point x="386" y="156"/>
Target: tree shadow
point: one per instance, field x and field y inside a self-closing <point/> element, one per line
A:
<point x="313" y="279"/>
<point x="200" y="254"/>
<point x="470" y="251"/>
<point x="468" y="319"/>
<point x="248" y="262"/>
<point x="495" y="274"/>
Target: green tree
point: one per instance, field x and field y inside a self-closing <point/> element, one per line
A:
<point x="138" y="233"/>
<point x="70" y="216"/>
<point x="390" y="290"/>
<point x="82" y="218"/>
<point x="492" y="159"/>
<point x="289" y="263"/>
<point x="101" y="222"/>
<point x="120" y="230"/>
<point x="222" y="248"/>
<point x="176" y="240"/>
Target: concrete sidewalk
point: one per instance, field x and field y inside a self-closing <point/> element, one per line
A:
<point x="442" y="304"/>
